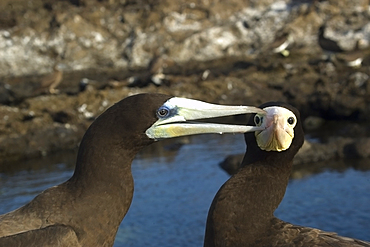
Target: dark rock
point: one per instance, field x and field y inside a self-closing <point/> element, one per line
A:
<point x="314" y="153"/>
<point x="231" y="163"/>
<point x="358" y="148"/>
<point x="6" y="95"/>
<point x="61" y="116"/>
<point x="312" y="123"/>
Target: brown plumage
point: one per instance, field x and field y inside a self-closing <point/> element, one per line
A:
<point x="327" y="44"/>
<point x="242" y="212"/>
<point x="87" y="209"/>
<point x="281" y="44"/>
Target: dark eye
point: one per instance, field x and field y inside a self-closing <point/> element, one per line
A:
<point x="163" y="112"/>
<point x="258" y="120"/>
<point x="291" y="120"/>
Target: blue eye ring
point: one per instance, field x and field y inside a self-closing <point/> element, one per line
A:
<point x="163" y="112"/>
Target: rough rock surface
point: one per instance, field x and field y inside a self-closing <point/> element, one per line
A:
<point x="219" y="51"/>
<point x="124" y="34"/>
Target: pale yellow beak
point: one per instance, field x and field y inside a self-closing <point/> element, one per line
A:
<point x="173" y="117"/>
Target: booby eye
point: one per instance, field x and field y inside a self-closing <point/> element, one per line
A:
<point x="163" y="112"/>
<point x="258" y="120"/>
<point x="291" y="120"/>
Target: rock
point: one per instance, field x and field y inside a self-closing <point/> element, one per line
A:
<point x="217" y="51"/>
<point x="358" y="148"/>
<point x="313" y="154"/>
<point x="231" y="163"/>
<point x="5" y="94"/>
<point x="312" y="122"/>
<point x="362" y="147"/>
<point x="128" y="35"/>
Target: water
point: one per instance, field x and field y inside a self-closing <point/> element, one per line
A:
<point x="174" y="189"/>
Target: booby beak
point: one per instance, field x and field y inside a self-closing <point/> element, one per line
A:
<point x="174" y="114"/>
<point x="278" y="128"/>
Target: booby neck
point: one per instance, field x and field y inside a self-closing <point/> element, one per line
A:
<point x="92" y="203"/>
<point x="101" y="188"/>
<point x="247" y="202"/>
<point x="243" y="209"/>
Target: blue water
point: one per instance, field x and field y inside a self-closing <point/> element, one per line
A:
<point x="174" y="189"/>
<point x="331" y="201"/>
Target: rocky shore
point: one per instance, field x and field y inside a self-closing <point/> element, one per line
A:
<point x="313" y="156"/>
<point x="217" y="51"/>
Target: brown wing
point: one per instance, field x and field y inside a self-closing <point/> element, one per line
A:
<point x="286" y="234"/>
<point x="56" y="235"/>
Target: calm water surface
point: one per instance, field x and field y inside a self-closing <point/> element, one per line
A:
<point x="174" y="189"/>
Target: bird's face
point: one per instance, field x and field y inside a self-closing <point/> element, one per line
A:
<point x="278" y="128"/>
<point x="174" y="115"/>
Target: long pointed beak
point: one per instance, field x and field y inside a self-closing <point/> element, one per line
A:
<point x="182" y="110"/>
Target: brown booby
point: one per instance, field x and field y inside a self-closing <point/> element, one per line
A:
<point x="326" y="44"/>
<point x="355" y="57"/>
<point x="87" y="209"/>
<point x="242" y="212"/>
<point x="335" y="53"/>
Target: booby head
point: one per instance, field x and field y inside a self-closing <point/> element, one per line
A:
<point x="281" y="136"/>
<point x="278" y="132"/>
<point x="141" y="119"/>
<point x="174" y="114"/>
